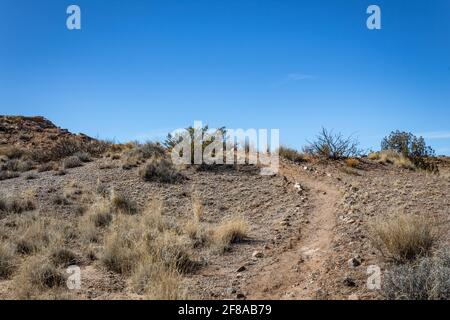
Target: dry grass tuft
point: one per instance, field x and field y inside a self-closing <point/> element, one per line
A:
<point x="156" y="282"/>
<point x="64" y="257"/>
<point x="291" y="154"/>
<point x="122" y="246"/>
<point x="36" y="275"/>
<point x="18" y="204"/>
<point x="230" y="231"/>
<point x="36" y="234"/>
<point x="72" y="162"/>
<point x="392" y="157"/>
<point x="98" y="215"/>
<point x="194" y="227"/>
<point x="7" y="261"/>
<point x="172" y="250"/>
<point x="122" y="204"/>
<point x="402" y="237"/>
<point x="352" y="162"/>
<point x="160" y="170"/>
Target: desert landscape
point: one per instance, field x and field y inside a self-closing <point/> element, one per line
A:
<point x="138" y="227"/>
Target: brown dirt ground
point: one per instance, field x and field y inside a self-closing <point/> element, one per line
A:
<point x="308" y="221"/>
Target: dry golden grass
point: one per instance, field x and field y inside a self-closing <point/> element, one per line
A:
<point x="19" y="203"/>
<point x="36" y="276"/>
<point x="156" y="282"/>
<point x="122" y="204"/>
<point x="392" y="157"/>
<point x="7" y="260"/>
<point x="352" y="162"/>
<point x="230" y="231"/>
<point x="36" y="234"/>
<point x="291" y="154"/>
<point x="122" y="245"/>
<point x="99" y="215"/>
<point x="402" y="237"/>
<point x="194" y="228"/>
<point x="62" y="256"/>
<point x="172" y="250"/>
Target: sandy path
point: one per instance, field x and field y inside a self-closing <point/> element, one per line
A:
<point x="296" y="271"/>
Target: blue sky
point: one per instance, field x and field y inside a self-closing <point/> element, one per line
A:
<point x="139" y="69"/>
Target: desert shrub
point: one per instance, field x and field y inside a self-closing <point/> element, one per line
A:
<point x="156" y="282"/>
<point x="194" y="227"/>
<point x="160" y="170"/>
<point x="72" y="162"/>
<point x="36" y="234"/>
<point x="402" y="237"/>
<point x="392" y="157"/>
<point x="204" y="134"/>
<point x="67" y="147"/>
<point x="6" y="175"/>
<point x="152" y="149"/>
<point x="48" y="166"/>
<point x="122" y="204"/>
<point x="37" y="274"/>
<point x="121" y="250"/>
<point x="7" y="261"/>
<point x="291" y="154"/>
<point x="100" y="214"/>
<point x="101" y="188"/>
<point x="60" y="199"/>
<point x="152" y="217"/>
<point x="17" y="204"/>
<point x="425" y="279"/>
<point x="64" y="257"/>
<point x="17" y="165"/>
<point x="12" y="152"/>
<point x="352" y="162"/>
<point x="83" y="156"/>
<point x="411" y="147"/>
<point x="30" y="176"/>
<point x="172" y="250"/>
<point x="374" y="156"/>
<point x="230" y="231"/>
<point x="333" y="146"/>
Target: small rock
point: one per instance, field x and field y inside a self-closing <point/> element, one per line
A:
<point x="353" y="297"/>
<point x="349" y="282"/>
<point x="354" y="262"/>
<point x="257" y="254"/>
<point x="240" y="269"/>
<point x="240" y="296"/>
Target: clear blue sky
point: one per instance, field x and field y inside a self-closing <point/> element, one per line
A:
<point x="142" y="68"/>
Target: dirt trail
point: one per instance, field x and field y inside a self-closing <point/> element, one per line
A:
<point x="296" y="271"/>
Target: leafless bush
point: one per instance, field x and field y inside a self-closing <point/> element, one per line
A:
<point x="333" y="146"/>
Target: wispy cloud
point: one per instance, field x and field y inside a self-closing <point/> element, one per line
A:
<point x="435" y="135"/>
<point x="300" y="76"/>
